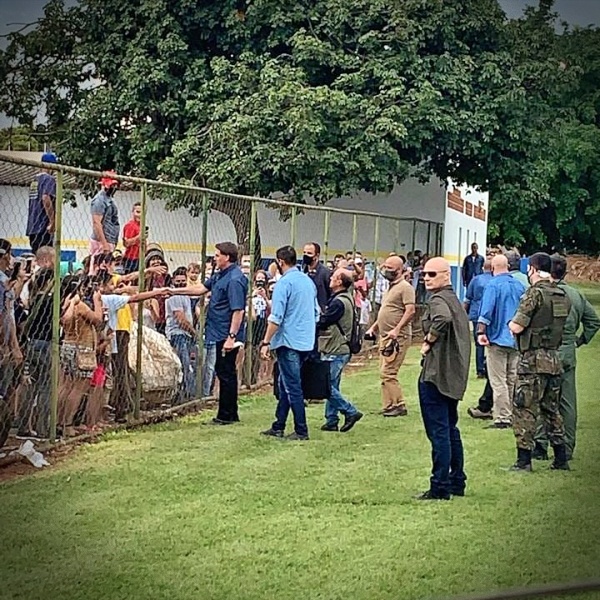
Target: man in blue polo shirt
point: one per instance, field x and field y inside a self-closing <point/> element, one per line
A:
<point x="291" y="333"/>
<point x="500" y="302"/>
<point x="225" y="325"/>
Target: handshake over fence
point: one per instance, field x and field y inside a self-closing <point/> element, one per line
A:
<point x="59" y="232"/>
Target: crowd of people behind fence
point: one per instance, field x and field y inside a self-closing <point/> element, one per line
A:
<point x="307" y="317"/>
<point x="100" y="304"/>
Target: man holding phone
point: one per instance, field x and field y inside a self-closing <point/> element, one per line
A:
<point x="10" y="352"/>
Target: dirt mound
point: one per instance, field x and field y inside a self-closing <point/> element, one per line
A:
<point x="583" y="268"/>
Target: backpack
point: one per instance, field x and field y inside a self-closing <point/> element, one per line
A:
<point x="354" y="337"/>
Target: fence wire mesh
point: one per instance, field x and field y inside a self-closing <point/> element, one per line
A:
<point x="86" y="337"/>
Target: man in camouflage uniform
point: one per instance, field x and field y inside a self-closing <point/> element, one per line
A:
<point x="582" y="314"/>
<point x="538" y="325"/>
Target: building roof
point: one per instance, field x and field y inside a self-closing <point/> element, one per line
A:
<point x="21" y="175"/>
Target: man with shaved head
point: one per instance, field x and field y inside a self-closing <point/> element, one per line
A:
<point x="393" y="324"/>
<point x="500" y="302"/>
<point x="446" y="352"/>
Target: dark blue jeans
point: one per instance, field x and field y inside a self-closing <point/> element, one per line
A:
<point x="184" y="345"/>
<point x="336" y="403"/>
<point x="440" y="417"/>
<point x="290" y="390"/>
<point x="479" y="353"/>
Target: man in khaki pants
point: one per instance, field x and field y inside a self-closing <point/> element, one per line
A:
<point x="500" y="300"/>
<point x="393" y="324"/>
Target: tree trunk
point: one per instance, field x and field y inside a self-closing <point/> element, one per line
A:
<point x="239" y="212"/>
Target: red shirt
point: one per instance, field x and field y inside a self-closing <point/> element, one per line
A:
<point x="131" y="230"/>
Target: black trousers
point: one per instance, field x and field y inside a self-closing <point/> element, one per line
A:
<point x="228" y="384"/>
<point x="37" y="240"/>
<point x="121" y="398"/>
<point x="486" y="402"/>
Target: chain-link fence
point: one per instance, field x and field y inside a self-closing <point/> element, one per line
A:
<point x="87" y="338"/>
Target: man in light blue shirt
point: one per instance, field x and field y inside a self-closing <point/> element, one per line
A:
<point x="291" y="334"/>
<point x="472" y="305"/>
<point x="498" y="306"/>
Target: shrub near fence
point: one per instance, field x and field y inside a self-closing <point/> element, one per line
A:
<point x="48" y="389"/>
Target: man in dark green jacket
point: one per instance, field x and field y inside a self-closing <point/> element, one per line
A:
<point x="334" y="329"/>
<point x="582" y="315"/>
<point x="446" y="352"/>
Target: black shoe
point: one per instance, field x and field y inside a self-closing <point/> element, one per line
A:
<point x="560" y="462"/>
<point x="499" y="425"/>
<point x="272" y="433"/>
<point x="395" y="411"/>
<point x="429" y="495"/>
<point x="216" y="421"/>
<point x="539" y="452"/>
<point x="295" y="437"/>
<point x="523" y="463"/>
<point x="476" y="413"/>
<point x="351" y="421"/>
<point x="329" y="427"/>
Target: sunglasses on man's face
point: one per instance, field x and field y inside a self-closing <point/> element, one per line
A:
<point x="432" y="274"/>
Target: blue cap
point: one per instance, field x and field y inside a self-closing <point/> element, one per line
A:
<point x="49" y="157"/>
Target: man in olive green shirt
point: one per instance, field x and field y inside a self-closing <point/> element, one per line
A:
<point x="582" y="314"/>
<point x="446" y="352"/>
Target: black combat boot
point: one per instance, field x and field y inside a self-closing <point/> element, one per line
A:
<point x="523" y="461"/>
<point x="560" y="458"/>
<point x="539" y="452"/>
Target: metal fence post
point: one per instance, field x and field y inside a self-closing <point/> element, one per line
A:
<point x="354" y="234"/>
<point x="141" y="288"/>
<point x="375" y="252"/>
<point x="250" y="326"/>
<point x="56" y="306"/>
<point x="293" y="227"/>
<point x="429" y="238"/>
<point x="397" y="237"/>
<point x="326" y="237"/>
<point x="201" y="316"/>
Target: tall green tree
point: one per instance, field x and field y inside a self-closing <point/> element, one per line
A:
<point x="318" y="98"/>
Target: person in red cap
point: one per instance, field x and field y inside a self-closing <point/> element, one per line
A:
<point x="105" y="218"/>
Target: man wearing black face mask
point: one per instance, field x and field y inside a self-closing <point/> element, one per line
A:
<point x="319" y="274"/>
<point x="105" y="218"/>
<point x="394" y="326"/>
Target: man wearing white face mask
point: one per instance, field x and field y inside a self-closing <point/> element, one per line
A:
<point x="394" y="326"/>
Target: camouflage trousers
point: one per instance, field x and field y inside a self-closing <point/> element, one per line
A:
<point x="537" y="397"/>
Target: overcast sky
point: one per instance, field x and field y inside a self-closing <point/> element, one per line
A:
<point x="575" y="12"/>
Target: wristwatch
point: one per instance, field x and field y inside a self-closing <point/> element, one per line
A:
<point x="263" y="343"/>
<point x="232" y="335"/>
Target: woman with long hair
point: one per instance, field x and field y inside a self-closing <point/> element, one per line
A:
<point x="81" y="318"/>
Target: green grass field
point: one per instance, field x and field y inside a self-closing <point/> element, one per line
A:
<point x="188" y="511"/>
